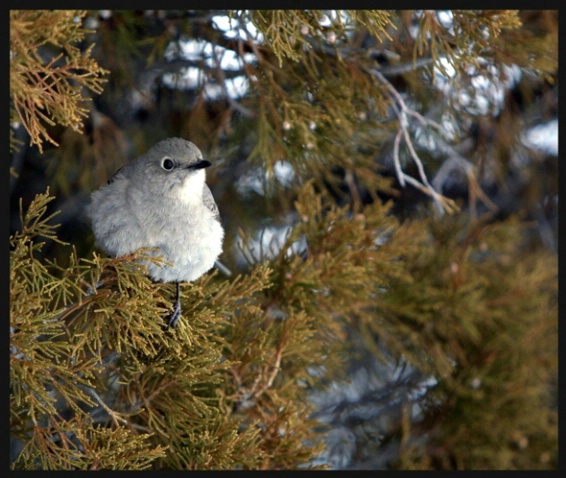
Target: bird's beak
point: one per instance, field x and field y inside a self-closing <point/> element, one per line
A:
<point x="203" y="163"/>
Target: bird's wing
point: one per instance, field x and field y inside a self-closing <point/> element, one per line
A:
<point x="209" y="202"/>
<point x="118" y="174"/>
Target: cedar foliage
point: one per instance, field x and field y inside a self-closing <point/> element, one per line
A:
<point x="49" y="91"/>
<point x="364" y="337"/>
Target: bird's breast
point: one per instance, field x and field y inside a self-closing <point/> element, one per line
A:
<point x="189" y="190"/>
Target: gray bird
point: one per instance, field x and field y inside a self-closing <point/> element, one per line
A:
<point x="161" y="200"/>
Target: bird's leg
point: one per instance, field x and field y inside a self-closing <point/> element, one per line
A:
<point x="173" y="318"/>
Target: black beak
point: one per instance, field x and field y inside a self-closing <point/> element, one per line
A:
<point x="203" y="163"/>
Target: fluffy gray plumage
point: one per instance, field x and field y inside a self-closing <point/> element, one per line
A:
<point x="161" y="200"/>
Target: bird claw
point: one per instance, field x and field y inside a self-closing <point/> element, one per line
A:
<point x="173" y="318"/>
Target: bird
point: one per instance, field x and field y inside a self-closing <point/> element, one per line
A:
<point x="161" y="200"/>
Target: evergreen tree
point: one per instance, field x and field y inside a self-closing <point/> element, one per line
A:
<point x="390" y="224"/>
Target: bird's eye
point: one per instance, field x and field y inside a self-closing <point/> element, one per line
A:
<point x="167" y="164"/>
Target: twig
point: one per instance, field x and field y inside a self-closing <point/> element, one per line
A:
<point x="116" y="417"/>
<point x="274" y="372"/>
<point x="255" y="390"/>
<point x="402" y="111"/>
<point x="447" y="204"/>
<point x="475" y="190"/>
<point x="396" y="161"/>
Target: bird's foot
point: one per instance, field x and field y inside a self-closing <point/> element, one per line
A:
<point x="173" y="318"/>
